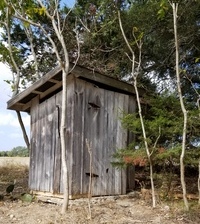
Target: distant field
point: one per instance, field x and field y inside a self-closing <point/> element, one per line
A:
<point x="14" y="161"/>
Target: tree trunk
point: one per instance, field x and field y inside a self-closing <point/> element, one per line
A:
<point x="146" y="144"/>
<point x="16" y="78"/>
<point x="26" y="139"/>
<point x="135" y="72"/>
<point x="63" y="140"/>
<point x="182" y="167"/>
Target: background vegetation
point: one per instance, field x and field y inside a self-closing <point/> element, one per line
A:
<point x="18" y="151"/>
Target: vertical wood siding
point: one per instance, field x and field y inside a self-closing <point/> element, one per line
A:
<point x="57" y="150"/>
<point x="93" y="113"/>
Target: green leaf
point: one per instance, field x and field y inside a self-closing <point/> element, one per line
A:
<point x="26" y="198"/>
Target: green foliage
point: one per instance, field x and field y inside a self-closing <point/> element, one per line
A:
<point x="164" y="7"/>
<point x="3" y="153"/>
<point x="161" y="114"/>
<point x="163" y="122"/>
<point x="20" y="40"/>
<point x="18" y="151"/>
<point x="127" y="157"/>
<point x="103" y="48"/>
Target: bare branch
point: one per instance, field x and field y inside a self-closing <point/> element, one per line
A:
<point x="124" y="35"/>
<point x="156" y="142"/>
<point x="84" y="26"/>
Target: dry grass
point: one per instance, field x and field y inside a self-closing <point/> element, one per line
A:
<point x="6" y="161"/>
<point x="11" y="172"/>
<point x="120" y="209"/>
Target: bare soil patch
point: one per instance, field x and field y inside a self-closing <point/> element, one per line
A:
<point x="125" y="209"/>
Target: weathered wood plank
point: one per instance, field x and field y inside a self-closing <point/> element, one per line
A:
<point x="13" y="102"/>
<point x="49" y="133"/>
<point x="33" y="142"/>
<point x="78" y="140"/>
<point x="101" y="135"/>
<point x="104" y="139"/>
<point x="69" y="131"/>
<point x="53" y="143"/>
<point x="87" y="135"/>
<point x="93" y="114"/>
<point x="121" y="136"/>
<point x="57" y="152"/>
<point x="79" y="71"/>
<point x="103" y="79"/>
<point x="109" y="107"/>
<point x="41" y="146"/>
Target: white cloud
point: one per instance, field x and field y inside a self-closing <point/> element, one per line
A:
<point x="10" y="119"/>
<point x="16" y="135"/>
<point x="10" y="131"/>
<point x="5" y="72"/>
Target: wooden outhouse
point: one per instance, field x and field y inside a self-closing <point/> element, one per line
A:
<point x="95" y="103"/>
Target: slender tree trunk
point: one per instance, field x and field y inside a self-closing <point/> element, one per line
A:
<point x="16" y="78"/>
<point x="63" y="141"/>
<point x="182" y="167"/>
<point x="146" y="144"/>
<point x="64" y="63"/>
<point x="26" y="139"/>
<point x="135" y="72"/>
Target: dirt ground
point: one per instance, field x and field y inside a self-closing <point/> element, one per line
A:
<point x="104" y="210"/>
<point x="125" y="209"/>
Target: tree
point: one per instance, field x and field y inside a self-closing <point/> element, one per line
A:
<point x="18" y="151"/>
<point x="12" y="56"/>
<point x="156" y="21"/>
<point x="29" y="13"/>
<point x="183" y="108"/>
<point x="136" y="67"/>
<point x="102" y="40"/>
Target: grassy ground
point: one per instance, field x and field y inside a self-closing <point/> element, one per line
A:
<point x="6" y="161"/>
<point x="10" y="172"/>
<point x="118" y="209"/>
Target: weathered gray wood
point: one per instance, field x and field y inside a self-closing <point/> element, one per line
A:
<point x="41" y="146"/>
<point x="79" y="71"/>
<point x="34" y="142"/>
<point x="69" y="131"/>
<point x="57" y="151"/>
<point x="109" y="107"/>
<point x="107" y="80"/>
<point x="78" y="139"/>
<point x="120" y="186"/>
<point x="93" y="113"/>
<point x="12" y="104"/>
<point x="104" y="138"/>
<point x="50" y="132"/>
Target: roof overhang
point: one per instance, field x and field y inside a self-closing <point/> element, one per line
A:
<point x="52" y="82"/>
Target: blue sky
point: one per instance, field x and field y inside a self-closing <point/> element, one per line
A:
<point x="69" y="3"/>
<point x="10" y="131"/>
